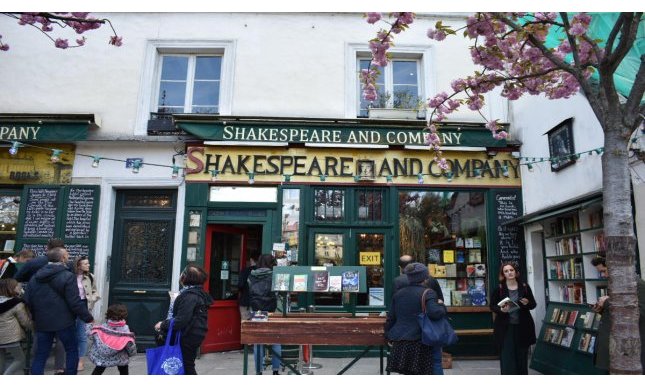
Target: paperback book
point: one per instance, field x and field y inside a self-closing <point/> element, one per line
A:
<point x="350" y="281"/>
<point x="300" y="282"/>
<point x="281" y="282"/>
<point x="321" y="281"/>
<point x="335" y="283"/>
<point x="513" y="305"/>
<point x="434" y="255"/>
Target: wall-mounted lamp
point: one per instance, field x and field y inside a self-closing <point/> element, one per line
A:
<point x="322" y="177"/>
<point x="449" y="176"/>
<point x="504" y="171"/>
<point x="388" y="179"/>
<point x="136" y="164"/>
<point x="14" y="148"/>
<point x="214" y="173"/>
<point x="175" y="171"/>
<point x="95" y="162"/>
<point x="419" y="178"/>
<point x="491" y="153"/>
<point x="251" y="178"/>
<point x="287" y="178"/>
<point x="55" y="157"/>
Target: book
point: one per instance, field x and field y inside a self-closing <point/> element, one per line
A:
<point x="469" y="243"/>
<point x="567" y="336"/>
<point x="335" y="282"/>
<point x="350" y="281"/>
<point x="462" y="284"/>
<point x="584" y="342"/>
<point x="589" y="318"/>
<point x="477" y="243"/>
<point x="457" y="297"/>
<point x="321" y="281"/>
<point x="592" y="344"/>
<point x="432" y="269"/>
<point x="470" y="270"/>
<point x="451" y="270"/>
<point x="448" y="256"/>
<point x="563" y="317"/>
<point x="573" y="316"/>
<point x="480" y="270"/>
<point x="281" y="282"/>
<point x="555" y="315"/>
<point x="596" y="321"/>
<point x="461" y="256"/>
<point x="513" y="304"/>
<point x="434" y="255"/>
<point x="440" y="271"/>
<point x="459" y="242"/>
<point x="377" y="296"/>
<point x="474" y="256"/>
<point x="9" y="244"/>
<point x="300" y="282"/>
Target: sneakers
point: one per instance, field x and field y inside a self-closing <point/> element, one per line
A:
<point x="275" y="372"/>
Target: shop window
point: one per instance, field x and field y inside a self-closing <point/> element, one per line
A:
<point x="371" y="253"/>
<point x="370" y="204"/>
<point x="447" y="231"/>
<point x="142" y="200"/>
<point x="9" y="208"/>
<point x="291" y="222"/>
<point x="328" y="252"/>
<point x="329" y="205"/>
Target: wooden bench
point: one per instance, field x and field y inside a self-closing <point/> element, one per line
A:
<point x="474" y="332"/>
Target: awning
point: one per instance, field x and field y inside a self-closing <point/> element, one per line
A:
<point x="46" y="127"/>
<point x="549" y="212"/>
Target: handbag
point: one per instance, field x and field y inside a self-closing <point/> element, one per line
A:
<point x="167" y="359"/>
<point x="435" y="332"/>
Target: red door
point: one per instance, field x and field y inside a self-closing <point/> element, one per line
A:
<point x="224" y="260"/>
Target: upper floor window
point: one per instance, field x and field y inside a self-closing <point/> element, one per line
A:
<point x="398" y="85"/>
<point x="189" y="84"/>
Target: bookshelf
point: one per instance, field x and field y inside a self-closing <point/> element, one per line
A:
<point x="567" y="338"/>
<point x="571" y="242"/>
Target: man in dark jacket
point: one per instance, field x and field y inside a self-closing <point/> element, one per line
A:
<point x="190" y="314"/>
<point x="245" y="312"/>
<point x="30" y="268"/>
<point x="54" y="302"/>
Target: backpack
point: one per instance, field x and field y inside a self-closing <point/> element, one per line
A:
<point x="261" y="295"/>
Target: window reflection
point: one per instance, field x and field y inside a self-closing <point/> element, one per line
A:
<point x="328" y="252"/>
<point x="372" y="248"/>
<point x="329" y="205"/>
<point x="291" y="221"/>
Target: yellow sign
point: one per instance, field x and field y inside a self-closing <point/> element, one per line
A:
<point x="369" y="258"/>
<point x="33" y="165"/>
<point x="314" y="165"/>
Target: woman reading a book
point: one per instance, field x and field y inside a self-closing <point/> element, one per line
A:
<point x="263" y="299"/>
<point x="513" y="329"/>
<point x="409" y="356"/>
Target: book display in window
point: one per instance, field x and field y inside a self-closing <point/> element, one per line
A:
<point x="569" y="328"/>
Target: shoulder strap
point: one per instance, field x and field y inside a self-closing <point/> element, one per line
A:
<point x="423" y="300"/>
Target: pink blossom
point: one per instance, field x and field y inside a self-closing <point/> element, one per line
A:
<point x="61" y="43"/>
<point x="116" y="41"/>
<point x="437" y="35"/>
<point x="373" y="17"/>
<point x="81" y="42"/>
<point x="4" y="47"/>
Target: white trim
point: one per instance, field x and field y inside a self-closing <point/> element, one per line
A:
<point x="427" y="73"/>
<point x="448" y="148"/>
<point x="357" y="146"/>
<point x="148" y="82"/>
<point x="247" y="143"/>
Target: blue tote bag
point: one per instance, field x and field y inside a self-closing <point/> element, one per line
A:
<point x="435" y="333"/>
<point x="167" y="359"/>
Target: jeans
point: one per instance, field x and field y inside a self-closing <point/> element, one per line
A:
<point x="44" y="340"/>
<point x="437" y="369"/>
<point x="17" y="362"/>
<point x="258" y="354"/>
<point x="189" y="346"/>
<point x="123" y="370"/>
<point x="81" y="337"/>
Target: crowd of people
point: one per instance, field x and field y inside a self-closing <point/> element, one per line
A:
<point x="50" y="298"/>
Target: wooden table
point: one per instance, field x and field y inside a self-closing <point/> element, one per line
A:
<point x="316" y="329"/>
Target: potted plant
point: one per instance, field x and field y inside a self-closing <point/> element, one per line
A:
<point x="401" y="105"/>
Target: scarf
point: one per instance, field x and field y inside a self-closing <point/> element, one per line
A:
<point x="172" y="304"/>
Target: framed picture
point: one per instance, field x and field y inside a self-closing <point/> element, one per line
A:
<point x="365" y="169"/>
<point x="561" y="145"/>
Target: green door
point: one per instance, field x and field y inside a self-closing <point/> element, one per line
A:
<point x="141" y="262"/>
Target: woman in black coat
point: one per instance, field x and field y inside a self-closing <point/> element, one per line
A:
<point x="514" y="329"/>
<point x="190" y="312"/>
<point x="409" y="355"/>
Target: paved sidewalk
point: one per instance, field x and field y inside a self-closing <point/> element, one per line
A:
<point x="231" y="363"/>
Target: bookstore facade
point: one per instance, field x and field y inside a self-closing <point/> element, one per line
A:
<point x="336" y="194"/>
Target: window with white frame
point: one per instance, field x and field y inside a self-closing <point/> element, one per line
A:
<point x="398" y="85"/>
<point x="189" y="84"/>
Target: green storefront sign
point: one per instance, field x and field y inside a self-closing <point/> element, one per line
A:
<point x="33" y="131"/>
<point x="450" y="135"/>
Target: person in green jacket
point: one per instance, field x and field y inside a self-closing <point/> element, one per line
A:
<point x="601" y="355"/>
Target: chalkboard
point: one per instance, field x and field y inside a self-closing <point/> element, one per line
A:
<point x="40" y="213"/>
<point x="77" y="250"/>
<point x="78" y="221"/>
<point x="508" y="238"/>
<point x="38" y="248"/>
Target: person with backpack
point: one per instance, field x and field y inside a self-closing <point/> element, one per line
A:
<point x="513" y="329"/>
<point x="190" y="313"/>
<point x="262" y="298"/>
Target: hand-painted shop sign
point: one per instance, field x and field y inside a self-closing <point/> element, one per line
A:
<point x="450" y="135"/>
<point x="307" y="165"/>
<point x="59" y="132"/>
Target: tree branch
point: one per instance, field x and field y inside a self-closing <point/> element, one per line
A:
<point x="627" y="39"/>
<point x="613" y="34"/>
<point x="571" y="39"/>
<point x="630" y="117"/>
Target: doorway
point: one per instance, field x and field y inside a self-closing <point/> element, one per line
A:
<point x="228" y="248"/>
<point x="141" y="263"/>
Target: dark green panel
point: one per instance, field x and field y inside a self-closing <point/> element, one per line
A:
<point x="196" y="194"/>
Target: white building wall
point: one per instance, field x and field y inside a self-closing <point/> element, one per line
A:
<point x="284" y="64"/>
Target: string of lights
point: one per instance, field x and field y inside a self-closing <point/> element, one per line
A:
<point x="528" y="161"/>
